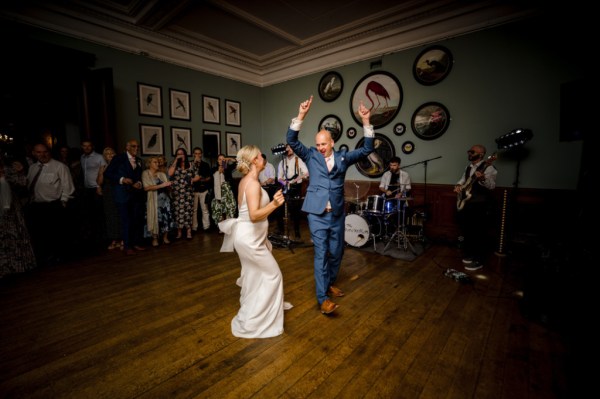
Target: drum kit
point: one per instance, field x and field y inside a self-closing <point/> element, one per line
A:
<point x="387" y="220"/>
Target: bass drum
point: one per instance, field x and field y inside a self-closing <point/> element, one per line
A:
<point x="361" y="229"/>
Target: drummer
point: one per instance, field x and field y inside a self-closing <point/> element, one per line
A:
<point x="395" y="183"/>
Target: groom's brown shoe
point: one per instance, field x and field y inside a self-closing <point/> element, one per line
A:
<point x="327" y="306"/>
<point x="335" y="291"/>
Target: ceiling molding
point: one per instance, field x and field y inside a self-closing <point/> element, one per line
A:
<point x="158" y="30"/>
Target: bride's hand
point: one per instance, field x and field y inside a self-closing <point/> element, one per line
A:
<point x="278" y="198"/>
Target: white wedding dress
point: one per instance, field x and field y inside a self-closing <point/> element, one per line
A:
<point x="261" y="282"/>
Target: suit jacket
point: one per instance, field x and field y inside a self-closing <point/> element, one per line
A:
<point x="324" y="185"/>
<point x="120" y="167"/>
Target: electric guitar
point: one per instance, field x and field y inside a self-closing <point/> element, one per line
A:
<point x="465" y="190"/>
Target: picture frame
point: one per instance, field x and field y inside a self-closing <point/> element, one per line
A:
<point x="432" y="65"/>
<point x="181" y="137"/>
<point x="430" y="121"/>
<point x="149" y="100"/>
<point x="233" y="113"/>
<point x="333" y="124"/>
<point x="211" y="142"/>
<point x="180" y="104"/>
<point x="211" y="112"/>
<point x="399" y="129"/>
<point x="408" y="147"/>
<point x="351" y="132"/>
<point x="375" y="164"/>
<point x="233" y="143"/>
<point x="152" y="139"/>
<point x="382" y="93"/>
<point x="330" y="86"/>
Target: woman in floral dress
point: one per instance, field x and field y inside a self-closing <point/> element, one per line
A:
<point x="159" y="218"/>
<point x="182" y="175"/>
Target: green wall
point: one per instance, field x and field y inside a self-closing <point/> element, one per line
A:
<point x="502" y="78"/>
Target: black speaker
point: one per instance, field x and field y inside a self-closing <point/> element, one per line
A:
<point x="211" y="146"/>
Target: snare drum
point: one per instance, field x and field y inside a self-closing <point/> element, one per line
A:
<point x="375" y="204"/>
<point x="361" y="229"/>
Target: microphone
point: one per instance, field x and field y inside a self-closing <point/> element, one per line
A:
<point x="355" y="185"/>
<point x="279" y="149"/>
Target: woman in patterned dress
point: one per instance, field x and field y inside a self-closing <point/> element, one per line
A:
<point x="183" y="175"/>
<point x="159" y="218"/>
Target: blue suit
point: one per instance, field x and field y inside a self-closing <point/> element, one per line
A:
<point x="326" y="228"/>
<point x="130" y="201"/>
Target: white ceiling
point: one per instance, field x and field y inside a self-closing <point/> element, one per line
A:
<point x="263" y="42"/>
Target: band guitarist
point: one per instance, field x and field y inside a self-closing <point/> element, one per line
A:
<point x="291" y="173"/>
<point x="474" y="216"/>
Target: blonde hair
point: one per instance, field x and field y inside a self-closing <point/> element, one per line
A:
<point x="148" y="160"/>
<point x="107" y="150"/>
<point x="245" y="156"/>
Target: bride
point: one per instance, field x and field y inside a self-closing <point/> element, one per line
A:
<point x="261" y="282"/>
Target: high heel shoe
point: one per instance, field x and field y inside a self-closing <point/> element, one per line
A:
<point x="155" y="242"/>
<point x="189" y="235"/>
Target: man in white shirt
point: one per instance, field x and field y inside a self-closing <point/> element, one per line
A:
<point x="51" y="187"/>
<point x="92" y="213"/>
<point x="395" y="183"/>
<point x="291" y="173"/>
<point x="267" y="175"/>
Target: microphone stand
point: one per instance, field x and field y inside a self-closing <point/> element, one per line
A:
<point x="425" y="180"/>
<point x="279" y="240"/>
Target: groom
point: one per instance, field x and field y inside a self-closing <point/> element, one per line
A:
<point x="324" y="200"/>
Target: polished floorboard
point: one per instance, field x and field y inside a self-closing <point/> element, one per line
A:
<point x="157" y="325"/>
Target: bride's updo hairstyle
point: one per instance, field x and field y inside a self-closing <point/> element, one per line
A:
<point x="245" y="156"/>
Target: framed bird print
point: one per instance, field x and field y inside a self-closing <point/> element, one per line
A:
<point x="210" y="110"/>
<point x="376" y="163"/>
<point x="149" y="100"/>
<point x="181" y="137"/>
<point x="432" y="65"/>
<point x="333" y="124"/>
<point x="430" y="121"/>
<point x="152" y="139"/>
<point x="330" y="86"/>
<point x="234" y="143"/>
<point x="381" y="92"/>
<point x="180" y="104"/>
<point x="233" y="113"/>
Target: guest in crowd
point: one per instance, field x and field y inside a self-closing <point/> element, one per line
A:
<point x="112" y="222"/>
<point x="223" y="205"/>
<point x="91" y="200"/>
<point x="261" y="282"/>
<point x="201" y="191"/>
<point x="159" y="218"/>
<point x="324" y="200"/>
<point x="16" y="252"/>
<point x="183" y="175"/>
<point x="125" y="174"/>
<point x="51" y="187"/>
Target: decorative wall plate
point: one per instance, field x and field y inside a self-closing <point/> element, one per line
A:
<point x="351" y="133"/>
<point x="408" y="147"/>
<point x="381" y="93"/>
<point x="430" y="121"/>
<point x="399" y="129"/>
<point x="333" y="124"/>
<point x="376" y="163"/>
<point x="344" y="147"/>
<point x="330" y="86"/>
<point x="432" y="65"/>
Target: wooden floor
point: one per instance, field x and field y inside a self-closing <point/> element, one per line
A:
<point x="157" y="325"/>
